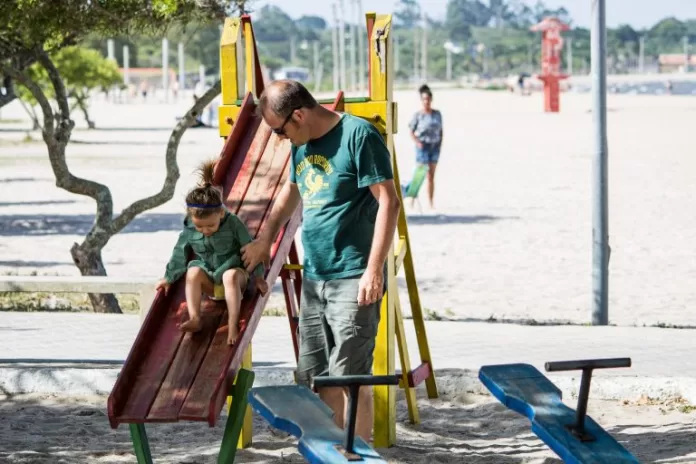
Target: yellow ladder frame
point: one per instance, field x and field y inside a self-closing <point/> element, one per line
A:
<point x="238" y="75"/>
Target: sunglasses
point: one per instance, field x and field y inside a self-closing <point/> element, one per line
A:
<point x="281" y="130"/>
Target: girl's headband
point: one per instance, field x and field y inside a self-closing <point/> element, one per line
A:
<point x="196" y="205"/>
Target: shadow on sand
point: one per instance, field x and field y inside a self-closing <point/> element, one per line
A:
<point x="445" y="219"/>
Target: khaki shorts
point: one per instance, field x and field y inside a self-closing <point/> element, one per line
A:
<point x="336" y="336"/>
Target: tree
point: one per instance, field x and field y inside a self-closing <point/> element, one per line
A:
<point x="668" y="31"/>
<point x="541" y="11"/>
<point x="462" y="14"/>
<point x="84" y="70"/>
<point x="316" y="23"/>
<point x="33" y="30"/>
<point x="408" y="15"/>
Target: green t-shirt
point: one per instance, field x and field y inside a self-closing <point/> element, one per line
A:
<point x="333" y="174"/>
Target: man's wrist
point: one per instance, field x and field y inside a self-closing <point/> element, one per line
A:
<point x="374" y="268"/>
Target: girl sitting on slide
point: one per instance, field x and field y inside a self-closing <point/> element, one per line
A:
<point x="215" y="236"/>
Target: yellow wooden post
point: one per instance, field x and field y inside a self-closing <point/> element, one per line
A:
<point x="231" y="79"/>
<point x="245" y="438"/>
<point x="249" y="47"/>
<point x="384" y="426"/>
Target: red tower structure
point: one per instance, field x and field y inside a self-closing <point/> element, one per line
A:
<point x="551" y="46"/>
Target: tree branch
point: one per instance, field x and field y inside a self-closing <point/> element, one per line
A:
<point x="48" y="127"/>
<point x="65" y="124"/>
<point x="167" y="192"/>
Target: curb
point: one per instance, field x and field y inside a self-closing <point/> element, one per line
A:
<point x="453" y="384"/>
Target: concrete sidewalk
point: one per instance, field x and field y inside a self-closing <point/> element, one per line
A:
<point x="81" y="354"/>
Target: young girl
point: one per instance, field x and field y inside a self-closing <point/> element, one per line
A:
<point x="215" y="236"/>
<point x="426" y="132"/>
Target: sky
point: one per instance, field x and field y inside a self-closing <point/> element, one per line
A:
<point x="638" y="13"/>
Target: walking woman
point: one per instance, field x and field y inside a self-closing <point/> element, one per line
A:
<point x="426" y="131"/>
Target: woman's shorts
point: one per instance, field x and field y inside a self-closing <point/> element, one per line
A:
<point x="428" y="154"/>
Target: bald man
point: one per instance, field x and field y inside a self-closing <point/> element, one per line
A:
<point x="341" y="172"/>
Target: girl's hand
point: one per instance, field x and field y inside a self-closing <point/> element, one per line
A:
<point x="164" y="285"/>
<point x="261" y="286"/>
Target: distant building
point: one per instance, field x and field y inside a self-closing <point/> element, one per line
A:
<point x="673" y="62"/>
<point x="153" y="76"/>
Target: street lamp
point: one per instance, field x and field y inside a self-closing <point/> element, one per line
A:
<point x="451" y="48"/>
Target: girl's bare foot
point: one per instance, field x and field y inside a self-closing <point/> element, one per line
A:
<point x="192" y="325"/>
<point x="232" y="333"/>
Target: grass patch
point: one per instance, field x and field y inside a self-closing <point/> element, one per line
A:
<point x="431" y="315"/>
<point x="62" y="302"/>
<point x="274" y="312"/>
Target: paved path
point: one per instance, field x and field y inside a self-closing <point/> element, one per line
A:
<point x="662" y="361"/>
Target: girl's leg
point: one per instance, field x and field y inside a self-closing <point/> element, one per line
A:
<point x="431" y="183"/>
<point x="234" y="281"/>
<point x="197" y="281"/>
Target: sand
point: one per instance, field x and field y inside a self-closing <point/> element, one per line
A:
<point x="466" y="428"/>
<point x="511" y="237"/>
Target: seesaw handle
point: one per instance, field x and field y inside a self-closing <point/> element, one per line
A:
<point x="360" y="380"/>
<point x="353" y="382"/>
<point x="609" y="363"/>
<point x="586" y="366"/>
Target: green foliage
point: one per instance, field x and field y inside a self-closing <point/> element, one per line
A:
<point x="501" y="25"/>
<point x="315" y="23"/>
<point x="46" y="24"/>
<point x="86" y="69"/>
<point x="408" y="14"/>
<point x="82" y="70"/>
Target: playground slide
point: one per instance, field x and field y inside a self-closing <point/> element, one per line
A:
<point x="170" y="375"/>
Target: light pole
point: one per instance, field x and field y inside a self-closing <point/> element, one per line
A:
<point x="600" y="214"/>
<point x="450" y="49"/>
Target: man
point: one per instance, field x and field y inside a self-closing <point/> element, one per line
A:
<point x="341" y="171"/>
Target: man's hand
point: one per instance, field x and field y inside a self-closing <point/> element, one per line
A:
<point x="164" y="285"/>
<point x="253" y="253"/>
<point x="370" y="287"/>
<point x="261" y="286"/>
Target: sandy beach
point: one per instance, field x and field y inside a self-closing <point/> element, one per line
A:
<point x="466" y="428"/>
<point x="511" y="235"/>
<point x="510" y="240"/>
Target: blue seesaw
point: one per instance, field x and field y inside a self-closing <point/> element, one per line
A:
<point x="573" y="435"/>
<point x="295" y="409"/>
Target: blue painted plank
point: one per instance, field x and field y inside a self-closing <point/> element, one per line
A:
<point x="295" y="409"/>
<point x="525" y="390"/>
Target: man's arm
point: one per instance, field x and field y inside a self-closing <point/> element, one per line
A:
<point x="374" y="167"/>
<point x="286" y="203"/>
<point x="258" y="251"/>
<point x="385" y="224"/>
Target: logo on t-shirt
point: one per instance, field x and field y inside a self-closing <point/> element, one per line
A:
<point x="314" y="171"/>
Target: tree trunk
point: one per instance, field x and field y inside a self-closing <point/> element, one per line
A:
<point x="32" y="115"/>
<point x="89" y="261"/>
<point x="83" y="108"/>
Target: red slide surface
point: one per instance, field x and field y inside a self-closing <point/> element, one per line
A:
<point x="169" y="375"/>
